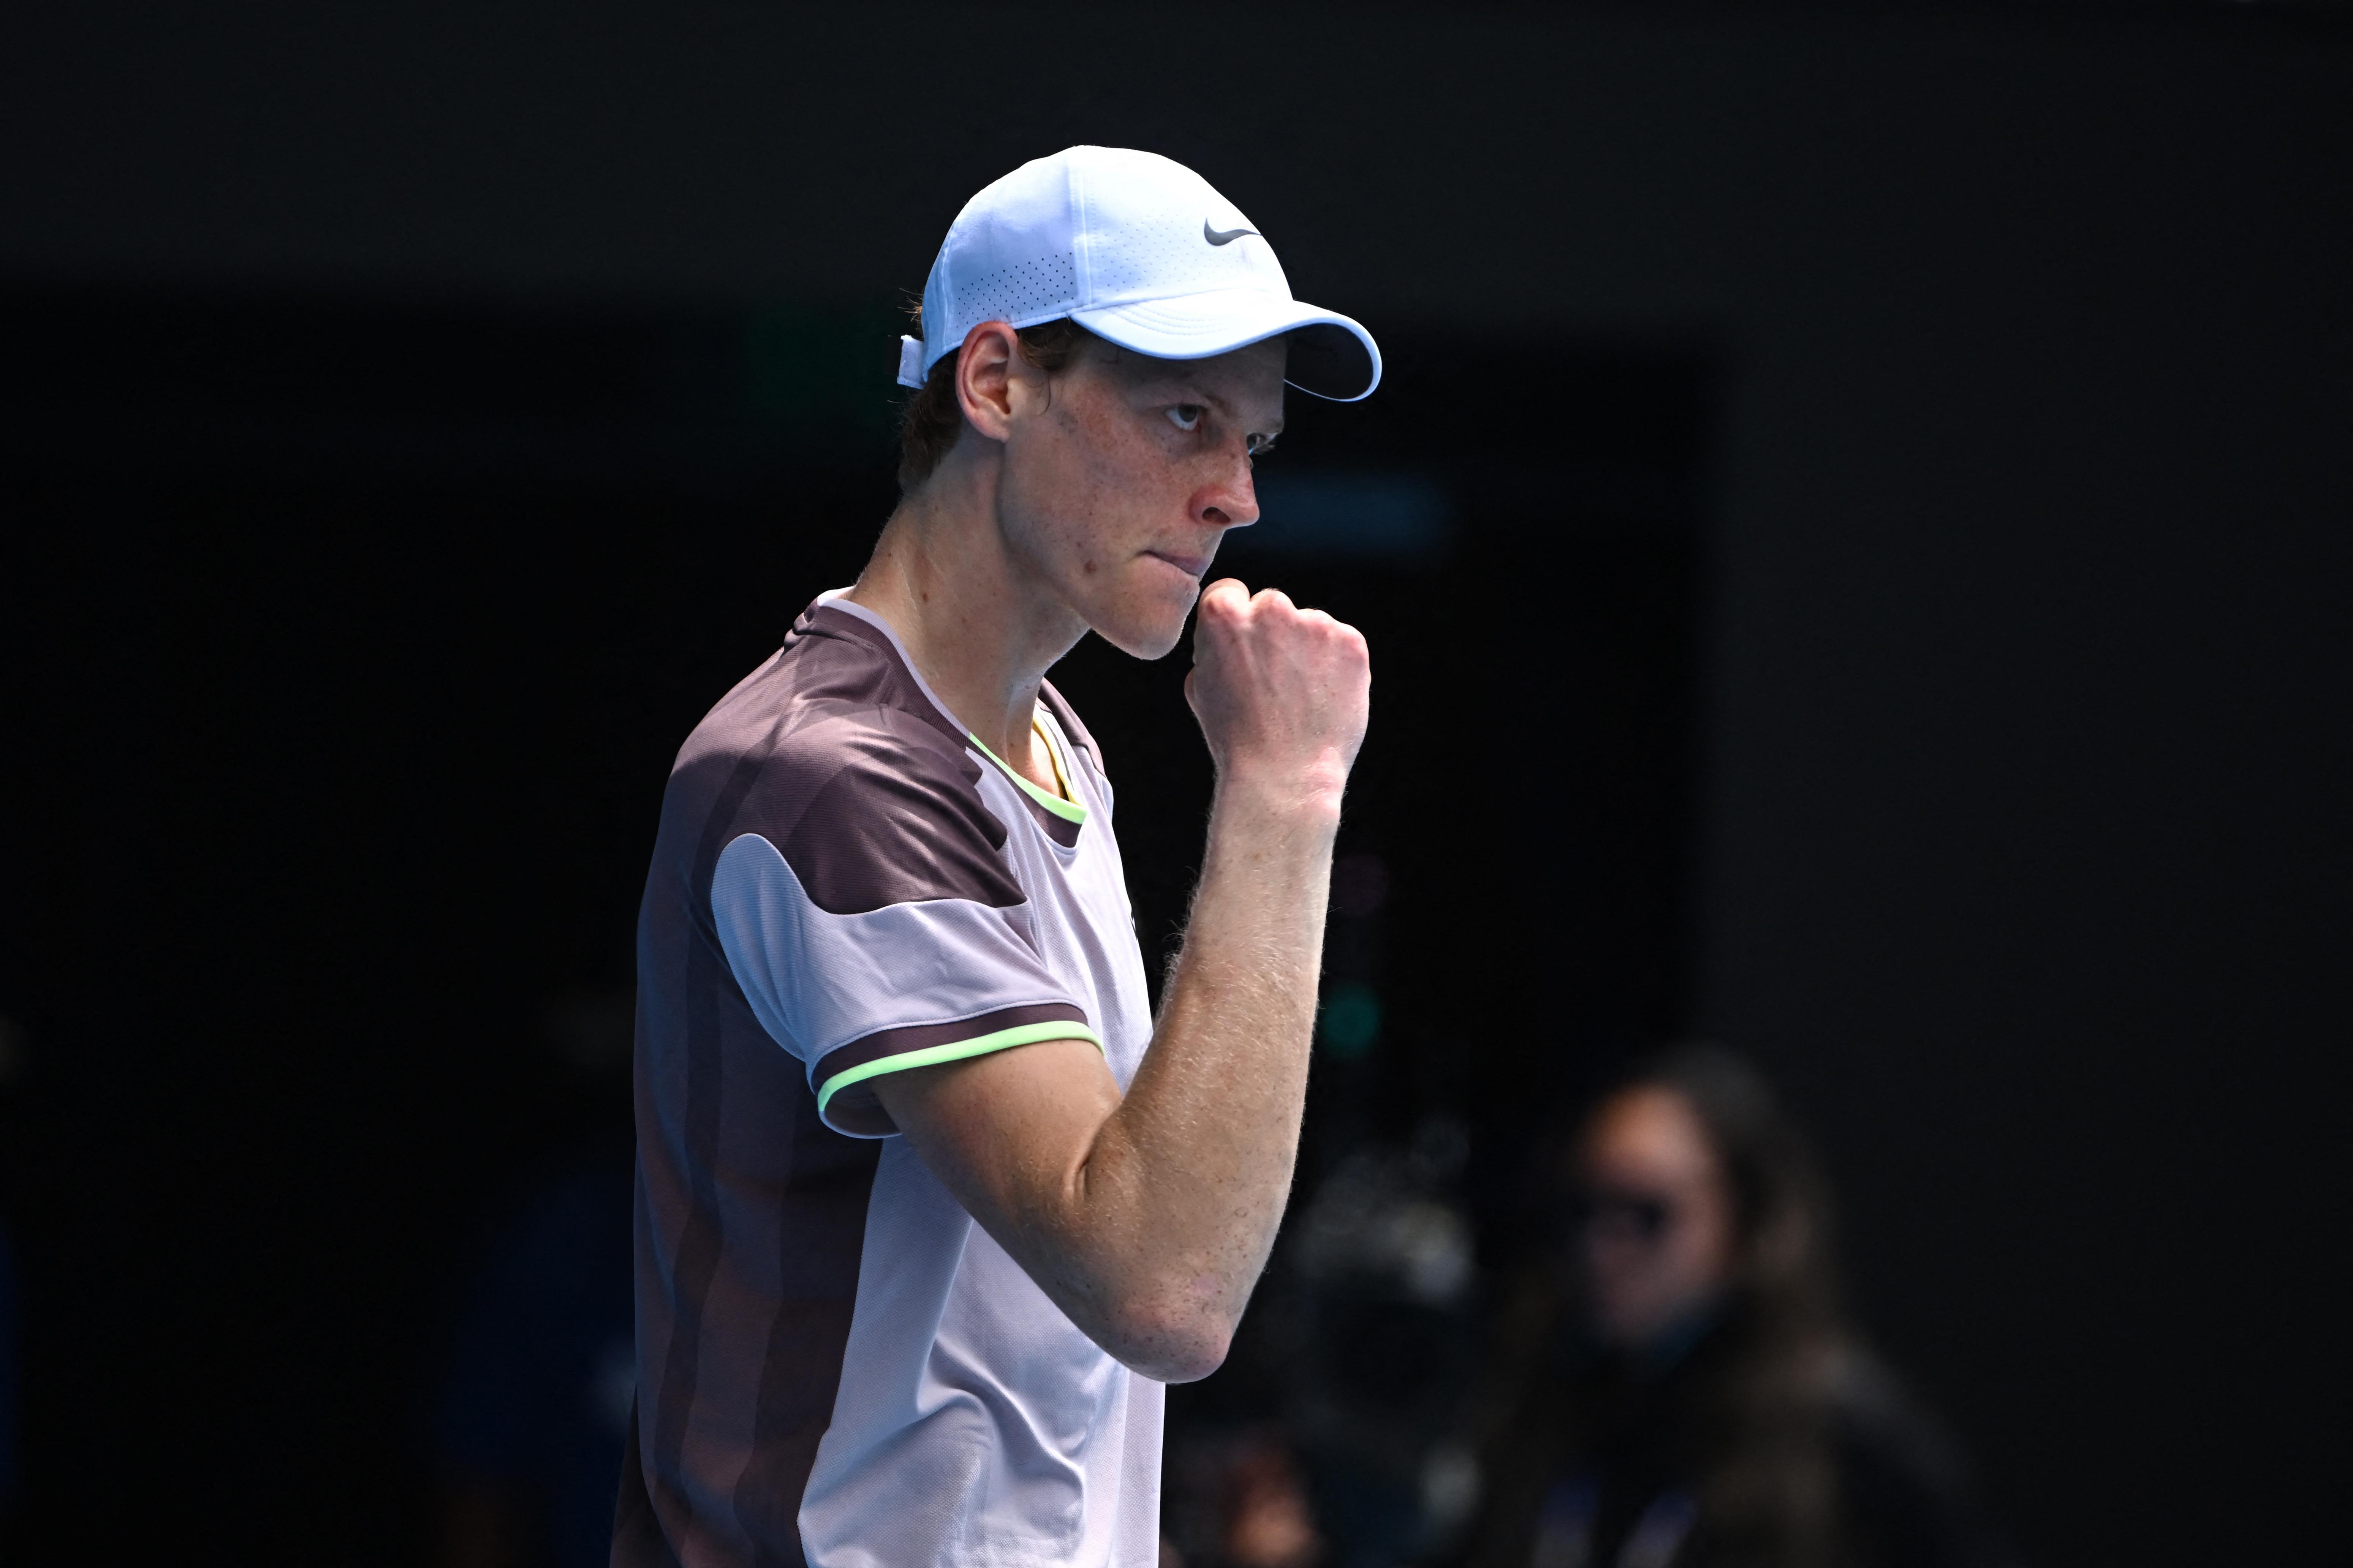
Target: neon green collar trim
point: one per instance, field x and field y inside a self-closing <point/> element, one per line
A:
<point x="1067" y="810"/>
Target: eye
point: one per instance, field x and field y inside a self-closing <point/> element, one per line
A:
<point x="1186" y="415"/>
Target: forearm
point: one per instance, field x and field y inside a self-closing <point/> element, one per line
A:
<point x="1176" y="1204"/>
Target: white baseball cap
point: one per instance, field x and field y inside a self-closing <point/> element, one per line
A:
<point x="1138" y="249"/>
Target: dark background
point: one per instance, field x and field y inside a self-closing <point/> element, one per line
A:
<point x="1891" y="619"/>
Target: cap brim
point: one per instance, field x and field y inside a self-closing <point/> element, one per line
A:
<point x="1331" y="356"/>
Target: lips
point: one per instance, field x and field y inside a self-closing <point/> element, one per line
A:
<point x="1191" y="565"/>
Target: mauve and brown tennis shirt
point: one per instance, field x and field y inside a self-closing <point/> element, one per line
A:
<point x="835" y="1364"/>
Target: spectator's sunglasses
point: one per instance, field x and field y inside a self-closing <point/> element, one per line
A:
<point x="1621" y="1215"/>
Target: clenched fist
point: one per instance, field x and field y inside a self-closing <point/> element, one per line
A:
<point x="1281" y="693"/>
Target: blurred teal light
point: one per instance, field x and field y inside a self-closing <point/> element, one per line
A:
<point x="1350" y="1021"/>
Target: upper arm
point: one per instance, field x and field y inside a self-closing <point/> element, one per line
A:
<point x="1010" y="1134"/>
<point x="1030" y="1144"/>
<point x="1024" y="1140"/>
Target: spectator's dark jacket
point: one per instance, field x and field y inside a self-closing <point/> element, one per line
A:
<point x="1613" y="1462"/>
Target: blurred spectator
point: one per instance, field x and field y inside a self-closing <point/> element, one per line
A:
<point x="1238" y="1501"/>
<point x="533" y="1408"/>
<point x="11" y="1377"/>
<point x="1678" y="1386"/>
<point x="536" y="1405"/>
<point x="1379" y="1277"/>
<point x="12" y="1366"/>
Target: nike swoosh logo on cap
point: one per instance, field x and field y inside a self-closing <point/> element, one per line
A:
<point x="1223" y="236"/>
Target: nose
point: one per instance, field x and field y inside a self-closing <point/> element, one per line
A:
<point x="1228" y="501"/>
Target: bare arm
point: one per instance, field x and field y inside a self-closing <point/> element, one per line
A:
<point x="1147" y="1219"/>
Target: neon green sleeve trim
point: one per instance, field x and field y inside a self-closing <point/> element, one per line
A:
<point x="1067" y="810"/>
<point x="956" y="1050"/>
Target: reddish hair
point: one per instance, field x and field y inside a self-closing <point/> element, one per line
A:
<point x="930" y="421"/>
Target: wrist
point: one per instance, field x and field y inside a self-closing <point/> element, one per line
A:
<point x="1297" y="796"/>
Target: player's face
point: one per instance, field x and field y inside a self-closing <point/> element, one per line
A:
<point x="1118" y="491"/>
<point x="1654" y="1222"/>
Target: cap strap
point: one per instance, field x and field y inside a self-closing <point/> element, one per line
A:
<point x="911" y="361"/>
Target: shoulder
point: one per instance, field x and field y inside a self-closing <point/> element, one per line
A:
<point x="1907" y="1483"/>
<point x="1873" y="1409"/>
<point x="832" y="752"/>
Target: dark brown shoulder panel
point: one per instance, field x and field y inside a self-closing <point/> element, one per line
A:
<point x="890" y="824"/>
<point x="866" y="789"/>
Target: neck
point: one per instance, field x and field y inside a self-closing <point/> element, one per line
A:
<point x="981" y="626"/>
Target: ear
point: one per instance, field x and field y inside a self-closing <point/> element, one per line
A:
<point x="992" y="379"/>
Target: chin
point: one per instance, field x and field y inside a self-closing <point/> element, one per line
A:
<point x="1146" y="625"/>
<point x="1143" y="639"/>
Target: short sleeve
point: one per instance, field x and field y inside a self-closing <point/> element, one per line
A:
<point x="858" y="996"/>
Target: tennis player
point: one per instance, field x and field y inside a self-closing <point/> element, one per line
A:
<point x="929" y="1206"/>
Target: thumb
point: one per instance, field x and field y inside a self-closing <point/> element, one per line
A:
<point x="1224" y="598"/>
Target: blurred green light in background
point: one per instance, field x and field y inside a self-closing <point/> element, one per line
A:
<point x="1350" y="1021"/>
<point x="834" y="366"/>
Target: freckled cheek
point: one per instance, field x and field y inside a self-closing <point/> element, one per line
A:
<point x="1115" y="495"/>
